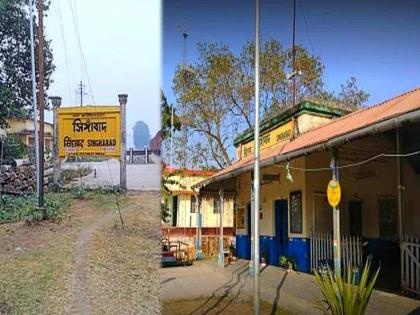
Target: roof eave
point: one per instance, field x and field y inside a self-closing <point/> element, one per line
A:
<point x="381" y="126"/>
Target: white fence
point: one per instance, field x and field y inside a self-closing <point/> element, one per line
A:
<point x="322" y="251"/>
<point x="410" y="265"/>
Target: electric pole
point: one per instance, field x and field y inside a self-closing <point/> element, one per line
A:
<point x="294" y="54"/>
<point x="184" y="73"/>
<point x="34" y="100"/>
<point x="256" y="182"/>
<point x="81" y="92"/>
<point x="41" y="105"/>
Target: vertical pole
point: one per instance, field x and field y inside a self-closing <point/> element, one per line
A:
<point x="123" y="165"/>
<point x="172" y="128"/>
<point x="294" y="53"/>
<point x="34" y="102"/>
<point x="257" y="163"/>
<point x="336" y="219"/>
<point x="146" y="152"/>
<point x="400" y="200"/>
<point x="56" y="102"/>
<point x="41" y="97"/>
<point x="221" y="251"/>
<point x="199" y="254"/>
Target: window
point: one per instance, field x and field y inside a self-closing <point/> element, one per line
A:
<point x="387" y="217"/>
<point x="193" y="203"/>
<point x="216" y="205"/>
<point x="296" y="212"/>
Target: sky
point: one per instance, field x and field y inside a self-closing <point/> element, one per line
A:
<point x="376" y="41"/>
<point x="121" y="43"/>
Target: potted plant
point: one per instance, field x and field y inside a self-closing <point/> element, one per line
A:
<point x="287" y="263"/>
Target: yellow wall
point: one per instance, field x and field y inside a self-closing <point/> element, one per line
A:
<point x="210" y="219"/>
<point x="188" y="219"/>
<point x="271" y="192"/>
<point x="366" y="183"/>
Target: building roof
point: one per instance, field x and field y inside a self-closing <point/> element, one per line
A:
<point x="355" y="124"/>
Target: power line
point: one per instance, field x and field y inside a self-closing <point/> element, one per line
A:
<point x="388" y="155"/>
<point x="306" y="27"/>
<point x="76" y="27"/>
<point x="60" y="19"/>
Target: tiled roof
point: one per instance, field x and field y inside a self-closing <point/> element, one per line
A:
<point x="394" y="107"/>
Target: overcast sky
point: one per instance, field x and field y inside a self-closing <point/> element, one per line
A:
<point x="121" y="44"/>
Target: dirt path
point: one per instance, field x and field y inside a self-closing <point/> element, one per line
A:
<point x="80" y="302"/>
<point x="86" y="293"/>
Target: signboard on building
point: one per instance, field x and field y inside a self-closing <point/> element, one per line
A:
<point x="269" y="139"/>
<point x="89" y="131"/>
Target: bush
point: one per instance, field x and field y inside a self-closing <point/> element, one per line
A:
<point x="343" y="297"/>
<point x="15" y="209"/>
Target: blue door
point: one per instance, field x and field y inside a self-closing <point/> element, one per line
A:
<point x="281" y="227"/>
<point x="248" y="239"/>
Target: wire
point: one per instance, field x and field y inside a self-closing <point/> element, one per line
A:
<point x="351" y="164"/>
<point x="76" y="27"/>
<point x="60" y="19"/>
<point x="307" y="28"/>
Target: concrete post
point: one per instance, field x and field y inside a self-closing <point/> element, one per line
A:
<point x="221" y="250"/>
<point x="123" y="164"/>
<point x="56" y="103"/>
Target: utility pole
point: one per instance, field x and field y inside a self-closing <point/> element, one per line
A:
<point x="41" y="105"/>
<point x="81" y="92"/>
<point x="34" y="102"/>
<point x="256" y="232"/>
<point x="294" y="53"/>
<point x="184" y="69"/>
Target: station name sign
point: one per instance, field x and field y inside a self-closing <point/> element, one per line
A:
<point x="269" y="139"/>
<point x="89" y="131"/>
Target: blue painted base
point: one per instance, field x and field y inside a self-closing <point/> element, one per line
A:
<point x="298" y="248"/>
<point x="243" y="246"/>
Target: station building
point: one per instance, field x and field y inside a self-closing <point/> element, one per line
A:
<point x="377" y="150"/>
<point x="192" y="216"/>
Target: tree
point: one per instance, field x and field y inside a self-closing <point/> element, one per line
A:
<point x="15" y="59"/>
<point x="215" y="95"/>
<point x="166" y="117"/>
<point x="11" y="148"/>
<point x="141" y="134"/>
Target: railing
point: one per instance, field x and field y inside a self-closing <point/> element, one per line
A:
<point x="410" y="265"/>
<point x="322" y="251"/>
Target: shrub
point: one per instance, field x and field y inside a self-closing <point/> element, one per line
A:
<point x="343" y="297"/>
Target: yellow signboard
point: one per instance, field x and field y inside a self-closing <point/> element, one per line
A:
<point x="269" y="139"/>
<point x="89" y="131"/>
<point x="334" y="193"/>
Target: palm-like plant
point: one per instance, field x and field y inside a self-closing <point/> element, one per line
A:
<point x="344" y="297"/>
